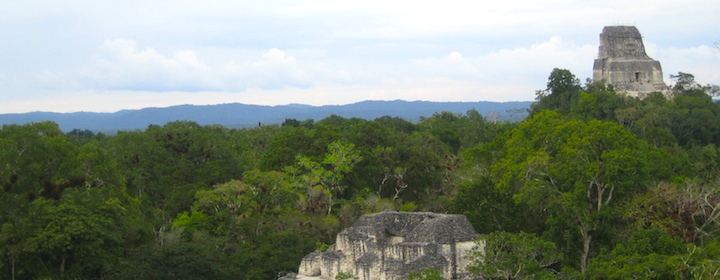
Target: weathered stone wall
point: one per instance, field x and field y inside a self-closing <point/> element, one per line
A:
<point x="391" y="245"/>
<point x="623" y="63"/>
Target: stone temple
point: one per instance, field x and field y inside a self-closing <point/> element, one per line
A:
<point x="623" y="63"/>
<point x="391" y="245"/>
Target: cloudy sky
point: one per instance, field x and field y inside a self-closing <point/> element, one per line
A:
<point x="104" y="56"/>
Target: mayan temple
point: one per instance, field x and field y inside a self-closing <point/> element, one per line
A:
<point x="623" y="63"/>
<point x="391" y="245"/>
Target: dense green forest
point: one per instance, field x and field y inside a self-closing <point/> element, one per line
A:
<point x="593" y="184"/>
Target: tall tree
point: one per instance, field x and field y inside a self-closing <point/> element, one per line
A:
<point x="327" y="176"/>
<point x="574" y="168"/>
<point x="562" y="92"/>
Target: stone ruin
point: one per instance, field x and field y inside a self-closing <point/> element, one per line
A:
<point x="623" y="63"/>
<point x="391" y="245"/>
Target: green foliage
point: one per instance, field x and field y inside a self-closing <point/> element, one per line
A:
<point x="651" y="241"/>
<point x="321" y="246"/>
<point x="684" y="82"/>
<point x="600" y="104"/>
<point x="408" y="207"/>
<point x="64" y="209"/>
<point x="489" y="209"/>
<point x="576" y="168"/>
<point x="38" y="161"/>
<point x="503" y="255"/>
<point x="239" y="210"/>
<point x="650" y="253"/>
<point x="689" y="209"/>
<point x="345" y="276"/>
<point x="191" y="223"/>
<point x="181" y="261"/>
<point x="167" y="165"/>
<point x="325" y="178"/>
<point x="562" y="92"/>
<point x="271" y="255"/>
<point x="458" y="131"/>
<point x="703" y="262"/>
<point x="286" y="146"/>
<point x="626" y="185"/>
<point x="427" y="274"/>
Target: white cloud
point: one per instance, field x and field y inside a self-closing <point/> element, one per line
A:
<point x="452" y="66"/>
<point x="538" y="60"/>
<point x="517" y="73"/>
<point x="701" y="61"/>
<point x="275" y="69"/>
<point x="122" y="65"/>
<point x="512" y="74"/>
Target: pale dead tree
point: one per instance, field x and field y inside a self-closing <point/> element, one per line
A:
<point x="168" y="235"/>
<point x="690" y="209"/>
<point x="494" y="115"/>
<point x="401" y="185"/>
<point x="387" y="176"/>
<point x="703" y="204"/>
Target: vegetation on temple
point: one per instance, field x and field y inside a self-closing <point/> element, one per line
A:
<point x="592" y="184"/>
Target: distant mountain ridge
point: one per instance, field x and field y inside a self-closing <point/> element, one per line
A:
<point x="243" y="115"/>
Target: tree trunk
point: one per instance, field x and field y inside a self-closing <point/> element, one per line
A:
<point x="587" y="239"/>
<point x="330" y="205"/>
<point x="62" y="263"/>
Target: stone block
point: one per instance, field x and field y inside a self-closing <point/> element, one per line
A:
<point x="391" y="245"/>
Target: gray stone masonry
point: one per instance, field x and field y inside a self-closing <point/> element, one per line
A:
<point x="391" y="245"/>
<point x="623" y="63"/>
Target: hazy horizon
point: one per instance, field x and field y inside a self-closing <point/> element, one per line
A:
<point x="278" y="105"/>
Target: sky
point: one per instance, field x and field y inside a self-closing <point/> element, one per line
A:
<point x="105" y="56"/>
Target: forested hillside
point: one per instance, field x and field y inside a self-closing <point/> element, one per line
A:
<point x="236" y="115"/>
<point x="591" y="185"/>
